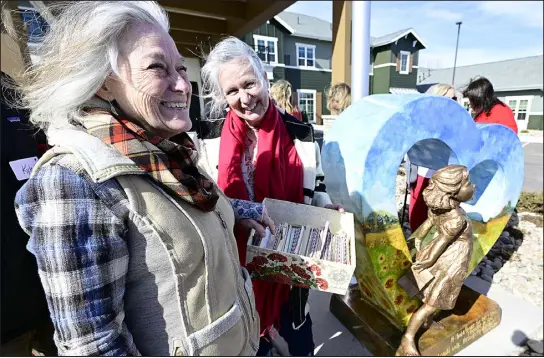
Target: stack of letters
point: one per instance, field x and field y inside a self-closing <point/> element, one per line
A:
<point x="306" y="241"/>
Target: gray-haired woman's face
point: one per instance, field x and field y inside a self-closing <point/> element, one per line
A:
<point x="245" y="95"/>
<point x="153" y="89"/>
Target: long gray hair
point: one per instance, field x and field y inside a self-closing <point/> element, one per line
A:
<point x="78" y="52"/>
<point x="227" y="50"/>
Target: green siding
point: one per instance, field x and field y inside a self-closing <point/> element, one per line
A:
<point x="383" y="55"/>
<point x="267" y="30"/>
<point x="536" y="122"/>
<point x="402" y="81"/>
<point x="405" y="45"/>
<point x="279" y="73"/>
<point x="380" y="80"/>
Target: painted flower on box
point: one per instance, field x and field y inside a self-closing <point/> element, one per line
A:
<point x="279" y="268"/>
<point x="277" y="257"/>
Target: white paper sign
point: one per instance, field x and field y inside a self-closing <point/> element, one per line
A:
<point x="23" y="167"/>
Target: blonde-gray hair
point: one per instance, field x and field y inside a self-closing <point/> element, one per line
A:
<point x="338" y="98"/>
<point x="440" y="89"/>
<point x="78" y="52"/>
<point x="227" y="50"/>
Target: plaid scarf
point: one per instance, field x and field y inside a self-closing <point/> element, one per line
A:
<point x="169" y="163"/>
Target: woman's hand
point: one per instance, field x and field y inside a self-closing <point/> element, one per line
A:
<point x="336" y="207"/>
<point x="259" y="227"/>
<point x="421" y="265"/>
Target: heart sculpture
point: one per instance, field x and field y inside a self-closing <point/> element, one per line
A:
<point x="361" y="155"/>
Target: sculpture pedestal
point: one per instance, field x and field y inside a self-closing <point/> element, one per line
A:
<point x="473" y="316"/>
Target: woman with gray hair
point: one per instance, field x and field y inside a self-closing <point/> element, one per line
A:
<point x="260" y="151"/>
<point x="135" y="246"/>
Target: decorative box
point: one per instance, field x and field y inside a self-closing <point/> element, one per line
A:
<point x="299" y="270"/>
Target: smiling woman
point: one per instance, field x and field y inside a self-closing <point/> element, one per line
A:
<point x="264" y="152"/>
<point x="152" y="86"/>
<point x="134" y="245"/>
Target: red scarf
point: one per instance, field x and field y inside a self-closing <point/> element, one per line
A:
<point x="278" y="175"/>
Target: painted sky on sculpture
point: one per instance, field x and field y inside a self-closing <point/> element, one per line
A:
<point x="365" y="146"/>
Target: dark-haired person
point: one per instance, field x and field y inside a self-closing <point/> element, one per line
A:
<point x="25" y="323"/>
<point x="486" y="106"/>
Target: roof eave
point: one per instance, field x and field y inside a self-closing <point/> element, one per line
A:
<point x="410" y="31"/>
<point x="312" y="37"/>
<point x="284" y="24"/>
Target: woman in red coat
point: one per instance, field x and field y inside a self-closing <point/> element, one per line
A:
<point x="486" y="106"/>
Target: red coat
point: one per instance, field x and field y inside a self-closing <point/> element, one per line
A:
<point x="499" y="114"/>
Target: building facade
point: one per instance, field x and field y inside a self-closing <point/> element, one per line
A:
<point x="517" y="82"/>
<point x="298" y="48"/>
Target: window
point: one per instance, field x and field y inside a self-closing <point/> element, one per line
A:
<point x="519" y="106"/>
<point x="305" y="55"/>
<point x="521" y="114"/>
<point x="266" y="48"/>
<point x="404" y="62"/>
<point x="306" y="102"/>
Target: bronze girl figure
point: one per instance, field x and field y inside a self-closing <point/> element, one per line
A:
<point x="442" y="265"/>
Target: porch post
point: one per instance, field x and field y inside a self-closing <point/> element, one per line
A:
<point x="341" y="41"/>
<point x="360" y="50"/>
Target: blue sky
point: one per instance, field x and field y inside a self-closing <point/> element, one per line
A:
<point x="491" y="30"/>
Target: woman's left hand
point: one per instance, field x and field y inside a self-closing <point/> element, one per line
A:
<point x="259" y="227"/>
<point x="421" y="265"/>
<point x="337" y="207"/>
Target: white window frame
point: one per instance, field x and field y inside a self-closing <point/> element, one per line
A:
<point x="306" y="46"/>
<point x="314" y="94"/>
<point x="407" y="70"/>
<point x="372" y="69"/>
<point x="266" y="39"/>
<point x="515" y="110"/>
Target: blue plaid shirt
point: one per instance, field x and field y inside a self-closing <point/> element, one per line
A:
<point x="83" y="258"/>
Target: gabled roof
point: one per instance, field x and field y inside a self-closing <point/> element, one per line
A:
<point x="390" y="38"/>
<point x="314" y="28"/>
<point x="305" y="26"/>
<point x="510" y="75"/>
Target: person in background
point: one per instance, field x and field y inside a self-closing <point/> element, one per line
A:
<point x="264" y="152"/>
<point x="133" y="243"/>
<point x="442" y="89"/>
<point x="486" y="106"/>
<point x="338" y="98"/>
<point x="25" y="318"/>
<point x="418" y="176"/>
<point x="282" y="94"/>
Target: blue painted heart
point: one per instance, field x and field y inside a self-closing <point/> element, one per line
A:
<point x="361" y="155"/>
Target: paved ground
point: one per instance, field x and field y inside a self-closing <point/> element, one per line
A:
<point x="533" y="166"/>
<point x="520" y="319"/>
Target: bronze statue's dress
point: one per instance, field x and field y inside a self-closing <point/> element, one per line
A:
<point x="451" y="268"/>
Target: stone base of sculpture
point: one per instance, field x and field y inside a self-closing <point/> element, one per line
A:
<point x="473" y="316"/>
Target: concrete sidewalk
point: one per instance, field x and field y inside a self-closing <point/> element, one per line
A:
<point x="531" y="138"/>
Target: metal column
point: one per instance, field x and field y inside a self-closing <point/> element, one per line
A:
<point x="360" y="49"/>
